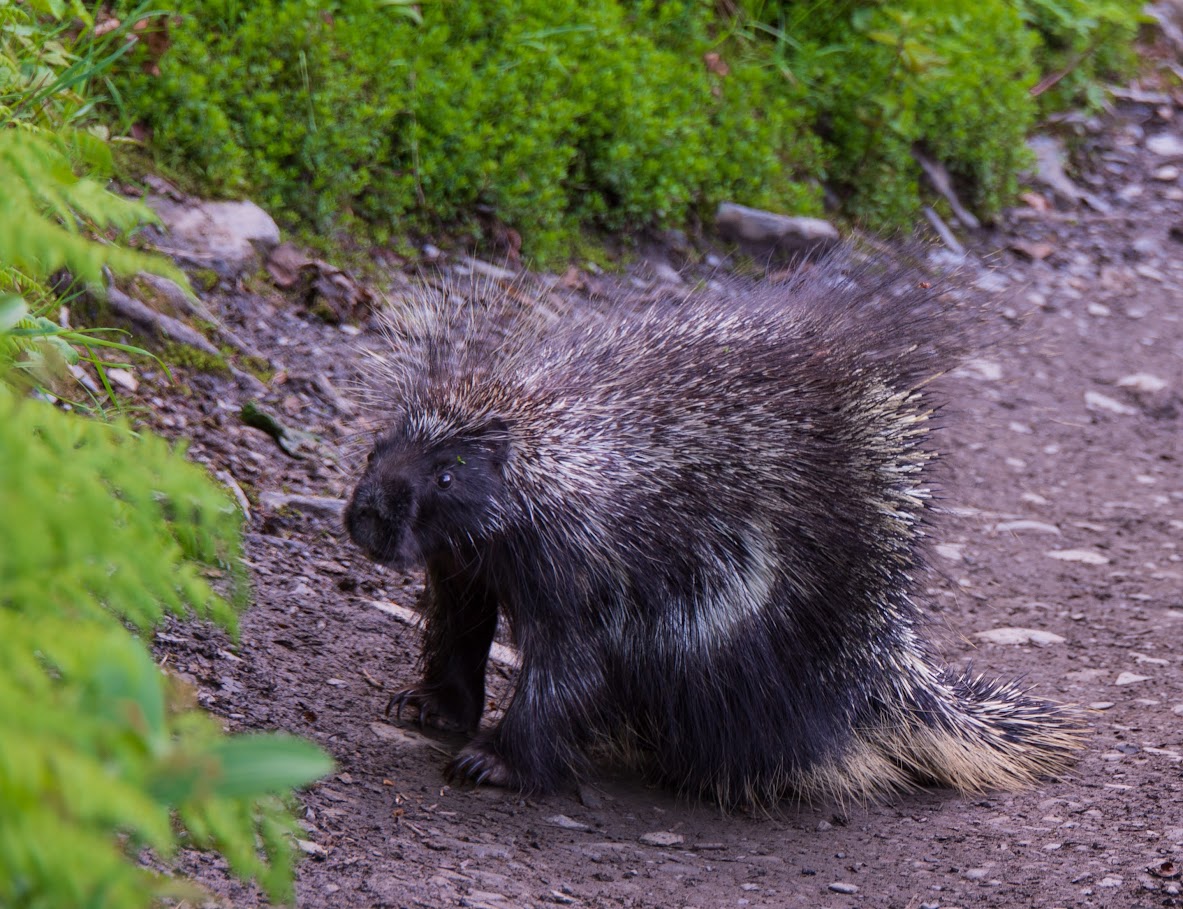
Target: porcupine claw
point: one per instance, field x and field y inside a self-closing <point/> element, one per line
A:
<point x="477" y="764"/>
<point x="426" y="709"/>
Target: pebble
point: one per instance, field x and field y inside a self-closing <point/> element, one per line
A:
<point x="1168" y="173"/>
<point x="951" y="551"/>
<point x="1177" y="710"/>
<point x="1110" y="882"/>
<point x="1166" y="145"/>
<point x="662" y="838"/>
<point x="1033" y="526"/>
<point x="1129" y="678"/>
<point x="1094" y="400"/>
<point x="975" y="874"/>
<point x="561" y="820"/>
<point x="1142" y="381"/>
<point x="978" y="368"/>
<point x="1018" y="636"/>
<point x="842" y="887"/>
<point x="1087" y="556"/>
<point x="1100" y="705"/>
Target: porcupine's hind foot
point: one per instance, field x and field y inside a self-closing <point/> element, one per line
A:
<point x="435" y="706"/>
<point x="480" y="765"/>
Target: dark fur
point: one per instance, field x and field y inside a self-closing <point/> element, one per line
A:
<point x="703" y="523"/>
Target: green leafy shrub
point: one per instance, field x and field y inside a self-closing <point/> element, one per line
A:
<point x="893" y="76"/>
<point x="1082" y="44"/>
<point x="551" y="115"/>
<point x="103" y="526"/>
<point x="102" y="530"/>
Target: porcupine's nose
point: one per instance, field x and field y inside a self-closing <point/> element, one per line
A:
<point x="377" y="517"/>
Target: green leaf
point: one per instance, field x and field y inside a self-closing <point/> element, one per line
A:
<point x="254" y="765"/>
<point x="12" y="310"/>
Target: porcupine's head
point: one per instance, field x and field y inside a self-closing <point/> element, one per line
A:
<point x="434" y="479"/>
<point x="427" y="489"/>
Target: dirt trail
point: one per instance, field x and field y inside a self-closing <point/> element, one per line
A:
<point x="1065" y="493"/>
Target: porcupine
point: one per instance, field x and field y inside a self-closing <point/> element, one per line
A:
<point x="704" y="524"/>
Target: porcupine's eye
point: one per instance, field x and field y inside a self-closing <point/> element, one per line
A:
<point x="444" y="479"/>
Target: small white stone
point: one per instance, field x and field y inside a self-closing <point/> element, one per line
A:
<point x="123" y="378"/>
<point x="1142" y="381"/>
<point x="978" y="368"/>
<point x="1094" y="400"/>
<point x="1098" y="309"/>
<point x="1019" y="636"/>
<point x="1032" y="526"/>
<point x="843" y="887"/>
<point x="561" y="820"/>
<point x="1087" y="556"/>
<point x="1100" y="705"/>
<point x="1129" y="678"/>
<point x="1110" y="882"/>
<point x="1168" y="173"/>
<point x="1166" y="145"/>
<point x="954" y="552"/>
<point x="662" y="838"/>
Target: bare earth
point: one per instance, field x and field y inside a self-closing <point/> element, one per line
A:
<point x="1064" y="493"/>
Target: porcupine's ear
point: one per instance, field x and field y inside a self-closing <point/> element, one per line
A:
<point x="495" y="439"/>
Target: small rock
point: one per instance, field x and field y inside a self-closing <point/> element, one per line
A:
<point x="561" y="820"/>
<point x="1177" y="710"/>
<point x="1129" y="678"/>
<point x="1100" y="705"/>
<point x="763" y="232"/>
<point x="978" y="368"/>
<point x="1049" y="165"/>
<point x="1165" y="145"/>
<point x="1094" y="400"/>
<point x="662" y="838"/>
<point x="310" y="848"/>
<point x="1034" y="251"/>
<point x="1168" y="173"/>
<point x="1021" y="526"/>
<point x="1087" y="556"/>
<point x="1098" y="309"/>
<point x="588" y="797"/>
<point x="1142" y="381"/>
<point x="1019" y="636"/>
<point x="843" y="887"/>
<point x="1110" y="882"/>
<point x="951" y="551"/>
<point x="390" y="733"/>
<point x="316" y="506"/>
<point x="218" y="235"/>
<point x="123" y="378"/>
<point x="975" y="874"/>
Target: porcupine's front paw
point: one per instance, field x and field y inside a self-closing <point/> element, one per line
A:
<point x="480" y="765"/>
<point x="428" y="706"/>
